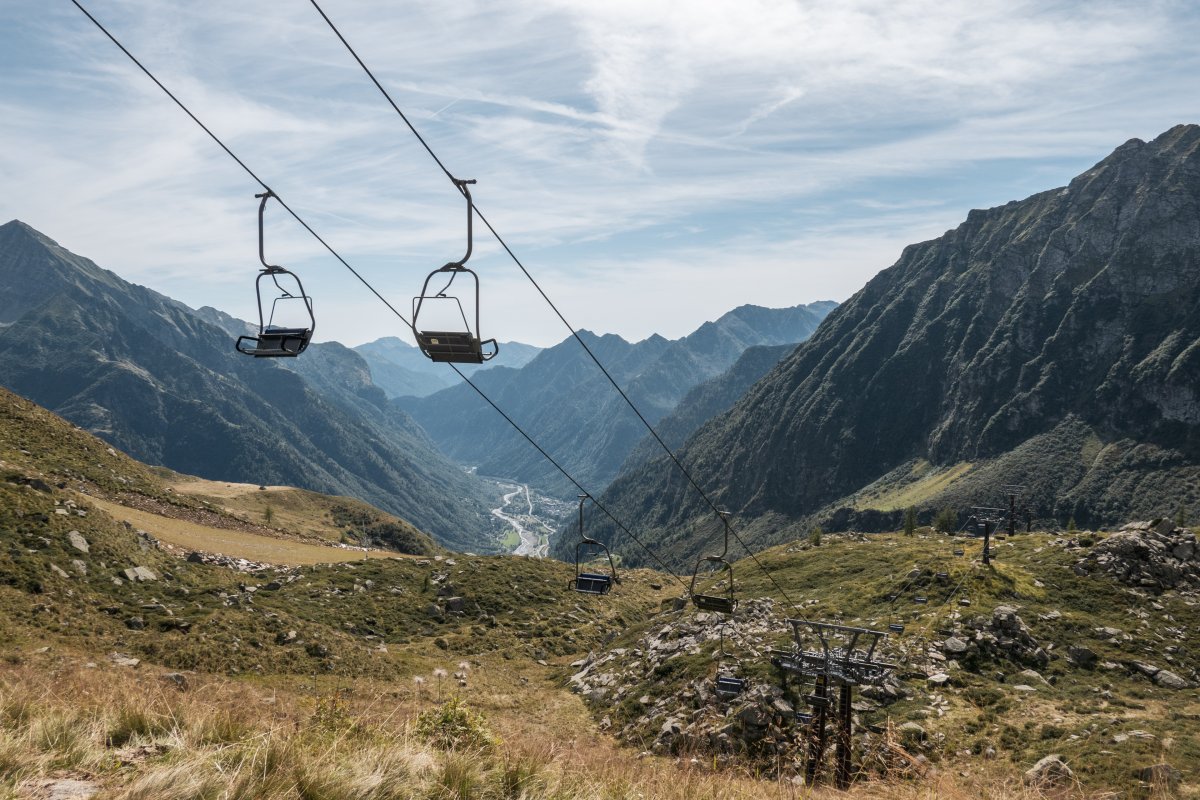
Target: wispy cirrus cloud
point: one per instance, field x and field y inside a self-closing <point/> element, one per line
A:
<point x="640" y="142"/>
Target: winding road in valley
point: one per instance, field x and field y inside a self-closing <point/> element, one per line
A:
<point x="517" y="511"/>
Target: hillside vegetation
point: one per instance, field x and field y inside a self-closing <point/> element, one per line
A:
<point x="151" y="670"/>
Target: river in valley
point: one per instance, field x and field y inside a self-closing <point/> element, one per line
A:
<point x="533" y="517"/>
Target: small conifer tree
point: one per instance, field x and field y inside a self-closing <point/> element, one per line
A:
<point x="910" y="521"/>
<point x="814" y="536"/>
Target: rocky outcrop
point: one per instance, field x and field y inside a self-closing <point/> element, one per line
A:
<point x="1153" y="555"/>
<point x="1003" y="635"/>
<point x="643" y="699"/>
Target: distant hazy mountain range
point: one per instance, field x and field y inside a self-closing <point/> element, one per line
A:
<point x="565" y="403"/>
<point x="1052" y="342"/>
<point x="401" y="369"/>
<point x="163" y="383"/>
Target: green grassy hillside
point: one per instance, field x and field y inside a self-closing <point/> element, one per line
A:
<point x="130" y="665"/>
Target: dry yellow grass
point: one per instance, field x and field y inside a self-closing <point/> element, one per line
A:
<point x="929" y="484"/>
<point x="236" y="544"/>
<point x="141" y="738"/>
<point x="294" y="510"/>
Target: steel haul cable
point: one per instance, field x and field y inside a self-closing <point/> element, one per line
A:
<point x="363" y="280"/>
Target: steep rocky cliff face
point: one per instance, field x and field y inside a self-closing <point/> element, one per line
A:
<point x="1064" y="327"/>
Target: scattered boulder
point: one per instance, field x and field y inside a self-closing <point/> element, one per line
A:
<point x="954" y="646"/>
<point x="176" y="679"/>
<point x="1161" y="776"/>
<point x="1048" y="773"/>
<point x="140" y="574"/>
<point x="76" y="540"/>
<point x="911" y="733"/>
<point x="1082" y="656"/>
<point x="1169" y="680"/>
<point x="58" y="789"/>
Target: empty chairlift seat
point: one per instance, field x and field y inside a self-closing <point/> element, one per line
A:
<point x="284" y="330"/>
<point x="729" y="687"/>
<point x="588" y="551"/>
<point x="592" y="583"/>
<point x="460" y="344"/>
<point x="712" y="599"/>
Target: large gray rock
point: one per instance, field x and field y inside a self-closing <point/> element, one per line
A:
<point x="1048" y="773"/>
<point x="1169" y="680"/>
<point x="1082" y="656"/>
<point x="76" y="540"/>
<point x="955" y="646"/>
<point x="1162" y="776"/>
<point x="140" y="574"/>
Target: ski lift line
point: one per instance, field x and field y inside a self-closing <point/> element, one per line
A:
<point x="239" y="162"/>
<point x="568" y="476"/>
<point x="546" y="297"/>
<point x="935" y="617"/>
<point x="355" y="272"/>
<point x="385" y="94"/>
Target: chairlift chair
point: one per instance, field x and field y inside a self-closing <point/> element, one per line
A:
<point x="941" y="576"/>
<point x="920" y="599"/>
<point x="958" y="551"/>
<point x="591" y="582"/>
<point x="722" y="603"/>
<point x="729" y="685"/>
<point x="458" y="346"/>
<point x="275" y="340"/>
<point x="895" y="627"/>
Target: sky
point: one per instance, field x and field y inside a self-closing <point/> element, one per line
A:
<point x="652" y="163"/>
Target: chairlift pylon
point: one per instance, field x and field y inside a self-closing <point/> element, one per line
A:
<point x="276" y="340"/>
<point x="722" y="603"/>
<point x="590" y="582"/>
<point x="453" y="346"/>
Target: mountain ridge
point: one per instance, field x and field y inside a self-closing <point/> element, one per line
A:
<point x="565" y="403"/>
<point x="1076" y="304"/>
